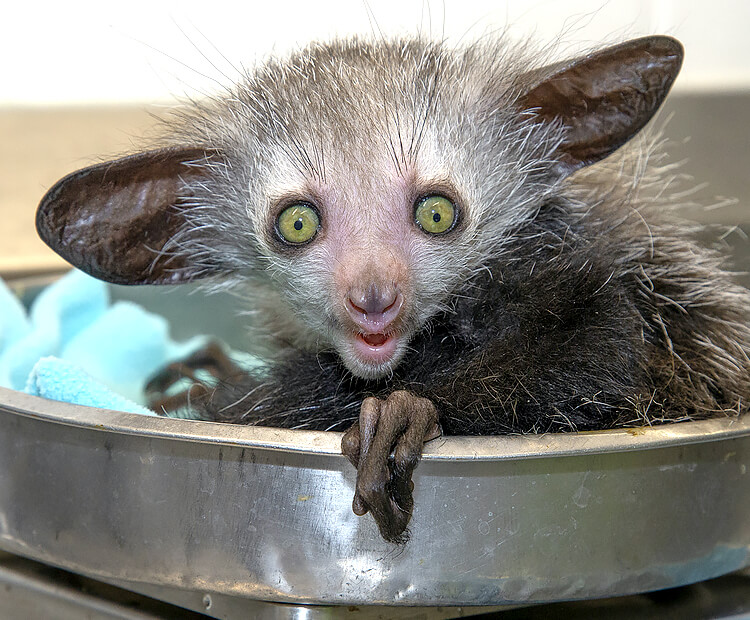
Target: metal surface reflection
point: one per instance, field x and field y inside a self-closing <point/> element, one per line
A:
<point x="266" y="513"/>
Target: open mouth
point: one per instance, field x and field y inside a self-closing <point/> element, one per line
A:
<point x="374" y="340"/>
<point x="375" y="348"/>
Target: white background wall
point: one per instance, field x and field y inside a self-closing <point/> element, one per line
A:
<point x="145" y="50"/>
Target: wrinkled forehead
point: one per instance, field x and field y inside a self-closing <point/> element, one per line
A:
<point x="381" y="160"/>
<point x="366" y="123"/>
<point x="360" y="139"/>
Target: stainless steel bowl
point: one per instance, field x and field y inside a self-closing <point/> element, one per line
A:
<point x="266" y="513"/>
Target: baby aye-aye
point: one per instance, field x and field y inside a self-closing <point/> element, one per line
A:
<point x="419" y="230"/>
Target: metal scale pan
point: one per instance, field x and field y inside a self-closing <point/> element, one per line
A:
<point x="266" y="513"/>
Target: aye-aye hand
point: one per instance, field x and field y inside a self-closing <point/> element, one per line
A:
<point x="385" y="446"/>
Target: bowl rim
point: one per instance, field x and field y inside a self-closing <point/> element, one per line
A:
<point x="454" y="448"/>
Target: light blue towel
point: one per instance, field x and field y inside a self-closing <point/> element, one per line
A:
<point x="58" y="314"/>
<point x="14" y="324"/>
<point x="58" y="379"/>
<point x="124" y="346"/>
<point x="73" y="346"/>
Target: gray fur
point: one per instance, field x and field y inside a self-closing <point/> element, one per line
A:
<point x="343" y="114"/>
<point x="355" y="115"/>
<point x="327" y="113"/>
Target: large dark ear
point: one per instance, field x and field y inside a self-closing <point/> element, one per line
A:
<point x="113" y="220"/>
<point x="605" y="98"/>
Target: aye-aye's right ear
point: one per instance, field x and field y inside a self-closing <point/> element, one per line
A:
<point x="113" y="220"/>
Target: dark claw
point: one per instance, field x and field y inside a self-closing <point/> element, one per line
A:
<point x="210" y="359"/>
<point x="168" y="376"/>
<point x="385" y="447"/>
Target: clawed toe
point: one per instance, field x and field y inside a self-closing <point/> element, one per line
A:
<point x="201" y="371"/>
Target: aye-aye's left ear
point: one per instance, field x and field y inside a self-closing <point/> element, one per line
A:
<point x="114" y="220"/>
<point x="605" y="98"/>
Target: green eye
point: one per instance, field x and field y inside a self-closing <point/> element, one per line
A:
<point x="435" y="214"/>
<point x="298" y="223"/>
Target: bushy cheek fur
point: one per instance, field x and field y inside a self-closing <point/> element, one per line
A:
<point x="440" y="267"/>
<point x="304" y="280"/>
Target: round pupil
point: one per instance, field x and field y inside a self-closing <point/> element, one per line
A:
<point x="297" y="224"/>
<point x="435" y="214"/>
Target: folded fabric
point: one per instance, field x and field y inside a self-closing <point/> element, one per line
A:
<point x="57" y="315"/>
<point x="58" y="379"/>
<point x="74" y="347"/>
<point x="124" y="346"/>
<point x="14" y="324"/>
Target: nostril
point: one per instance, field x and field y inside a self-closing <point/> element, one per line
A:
<point x="356" y="307"/>
<point x="374" y="316"/>
<point x="393" y="303"/>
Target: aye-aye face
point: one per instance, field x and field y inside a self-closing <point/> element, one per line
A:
<point x="364" y="183"/>
<point x="403" y="170"/>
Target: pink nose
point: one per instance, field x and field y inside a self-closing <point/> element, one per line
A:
<point x="375" y="307"/>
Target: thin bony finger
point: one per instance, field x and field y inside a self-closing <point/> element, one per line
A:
<point x="350" y="443"/>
